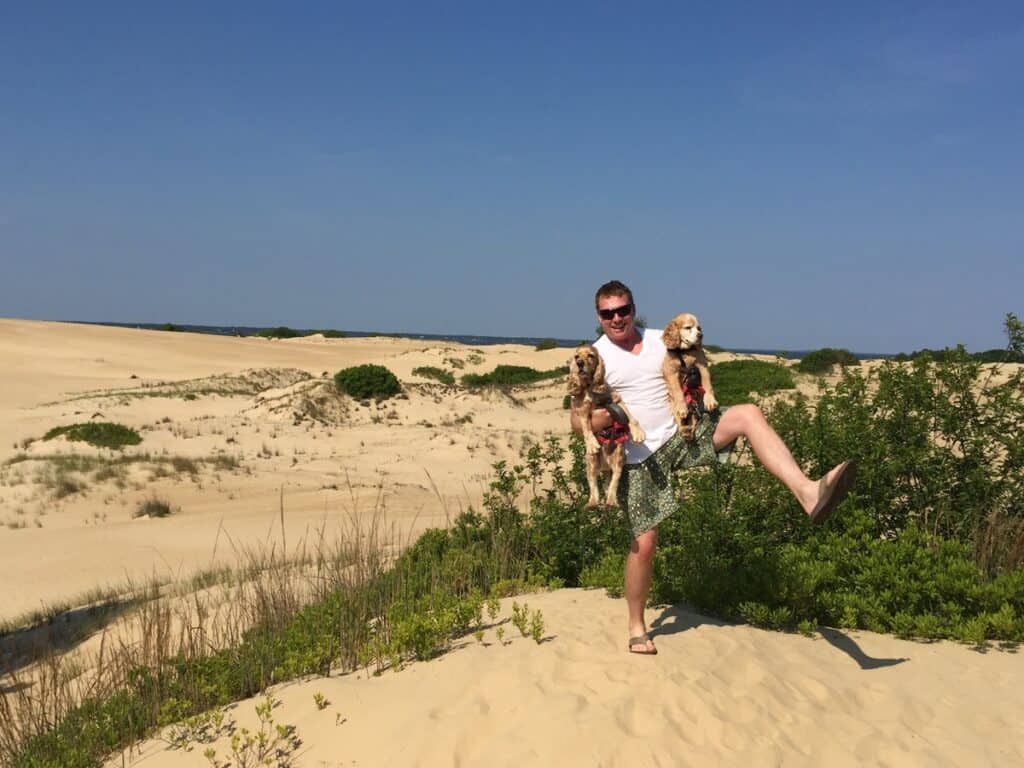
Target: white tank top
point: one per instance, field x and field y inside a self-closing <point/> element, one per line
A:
<point x="638" y="380"/>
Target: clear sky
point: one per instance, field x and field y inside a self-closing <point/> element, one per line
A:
<point x="798" y="174"/>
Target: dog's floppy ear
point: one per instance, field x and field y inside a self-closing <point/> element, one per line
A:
<point x="574" y="377"/>
<point x="598" y="370"/>
<point x="670" y="336"/>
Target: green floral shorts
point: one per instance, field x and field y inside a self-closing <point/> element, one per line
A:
<point x="650" y="495"/>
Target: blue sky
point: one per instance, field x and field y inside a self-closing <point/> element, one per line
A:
<point x="797" y="175"/>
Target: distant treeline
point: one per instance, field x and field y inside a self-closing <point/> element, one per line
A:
<point x="284" y="332"/>
<point x="944" y="355"/>
<point x="280" y="332"/>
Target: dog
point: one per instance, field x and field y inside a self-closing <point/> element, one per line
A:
<point x="589" y="390"/>
<point x="686" y="373"/>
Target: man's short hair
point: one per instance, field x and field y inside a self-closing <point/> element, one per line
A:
<point x="612" y="288"/>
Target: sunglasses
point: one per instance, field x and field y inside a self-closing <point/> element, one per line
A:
<point x="624" y="311"/>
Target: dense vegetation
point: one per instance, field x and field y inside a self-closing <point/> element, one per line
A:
<point x="823" y="360"/>
<point x="367" y="381"/>
<point x="505" y="376"/>
<point x="102" y="434"/>
<point x="939" y="355"/>
<point x="737" y="380"/>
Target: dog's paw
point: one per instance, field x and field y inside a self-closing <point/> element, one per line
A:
<point x="710" y="404"/>
<point x="637" y="434"/>
<point x="593" y="502"/>
<point x="590" y="442"/>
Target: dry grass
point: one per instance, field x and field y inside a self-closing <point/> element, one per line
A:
<point x="146" y="626"/>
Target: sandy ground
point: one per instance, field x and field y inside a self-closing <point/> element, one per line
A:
<point x="231" y="426"/>
<point x="715" y="695"/>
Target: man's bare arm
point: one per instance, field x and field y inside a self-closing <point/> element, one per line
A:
<point x="599" y="419"/>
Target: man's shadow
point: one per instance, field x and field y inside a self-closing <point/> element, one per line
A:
<point x="680" y="618"/>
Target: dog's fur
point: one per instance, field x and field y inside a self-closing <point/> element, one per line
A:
<point x="589" y="390"/>
<point x="683" y="338"/>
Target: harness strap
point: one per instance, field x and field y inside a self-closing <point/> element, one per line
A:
<point x="617" y="433"/>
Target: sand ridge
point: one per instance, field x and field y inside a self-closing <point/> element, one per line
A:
<point x="716" y="694"/>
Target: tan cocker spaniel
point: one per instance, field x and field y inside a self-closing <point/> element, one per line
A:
<point x="686" y="373"/>
<point x="589" y="390"/>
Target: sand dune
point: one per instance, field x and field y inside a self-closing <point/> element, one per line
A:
<point x="716" y="694"/>
<point x="420" y="459"/>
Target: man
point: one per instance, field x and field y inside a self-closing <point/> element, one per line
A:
<point x="633" y="358"/>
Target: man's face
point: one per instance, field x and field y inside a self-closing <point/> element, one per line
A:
<point x="610" y="310"/>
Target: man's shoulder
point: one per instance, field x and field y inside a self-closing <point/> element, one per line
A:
<point x="653" y="336"/>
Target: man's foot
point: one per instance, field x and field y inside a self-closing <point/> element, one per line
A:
<point x="643" y="645"/>
<point x="832" y="489"/>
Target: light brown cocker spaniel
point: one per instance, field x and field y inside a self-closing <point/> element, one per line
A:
<point x="589" y="390"/>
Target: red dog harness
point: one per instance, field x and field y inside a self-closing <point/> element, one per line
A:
<point x="693" y="395"/>
<point x="617" y="433"/>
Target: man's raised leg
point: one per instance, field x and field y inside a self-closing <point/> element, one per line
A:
<point x="748" y="421"/>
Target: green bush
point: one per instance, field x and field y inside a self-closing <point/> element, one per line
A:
<point x="545" y="344"/>
<point x="366" y="381"/>
<point x="280" y="332"/>
<point x="102" y="434"/>
<point x="734" y="381"/>
<point x="822" y="360"/>
<point x="437" y="374"/>
<point x="505" y="376"/>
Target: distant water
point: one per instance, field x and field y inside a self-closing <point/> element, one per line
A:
<point x="481" y="341"/>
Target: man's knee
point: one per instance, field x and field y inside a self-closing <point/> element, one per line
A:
<point x="644" y="546"/>
<point x="746" y="415"/>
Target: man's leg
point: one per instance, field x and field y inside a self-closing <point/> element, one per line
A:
<point x="749" y="422"/>
<point x="637" y="582"/>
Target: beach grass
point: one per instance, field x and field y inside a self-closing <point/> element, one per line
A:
<point x="508" y="376"/>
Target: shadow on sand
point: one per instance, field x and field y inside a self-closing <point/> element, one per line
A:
<point x="678" y="618"/>
<point x="57" y="634"/>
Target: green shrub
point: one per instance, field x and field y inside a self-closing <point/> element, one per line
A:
<point x="734" y="381"/>
<point x="432" y="372"/>
<point x="505" y="376"/>
<point x="366" y="381"/>
<point x="102" y="434"/>
<point x="280" y="332"/>
<point x="606" y="574"/>
<point x="545" y="344"/>
<point x="822" y="360"/>
<point x="330" y="333"/>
